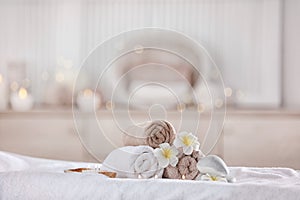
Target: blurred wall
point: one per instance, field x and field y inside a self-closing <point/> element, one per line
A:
<point x="291" y="54"/>
<point x="45" y="34"/>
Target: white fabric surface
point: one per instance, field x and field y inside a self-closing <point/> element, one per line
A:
<point x="132" y="161"/>
<point x="29" y="179"/>
<point x="15" y="162"/>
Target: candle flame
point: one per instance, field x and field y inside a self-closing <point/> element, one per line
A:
<point x="183" y="177"/>
<point x="22" y="93"/>
<point x="88" y="93"/>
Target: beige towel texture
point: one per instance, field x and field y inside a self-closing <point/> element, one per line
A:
<point x="186" y="167"/>
<point x="151" y="133"/>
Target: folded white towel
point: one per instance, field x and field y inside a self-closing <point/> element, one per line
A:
<point x="133" y="162"/>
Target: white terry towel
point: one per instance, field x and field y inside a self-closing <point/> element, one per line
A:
<point x="133" y="162"/>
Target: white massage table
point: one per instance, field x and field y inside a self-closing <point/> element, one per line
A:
<point x="27" y="178"/>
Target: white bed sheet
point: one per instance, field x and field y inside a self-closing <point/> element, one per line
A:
<point x="25" y="178"/>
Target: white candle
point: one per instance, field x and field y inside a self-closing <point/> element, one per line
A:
<point x="3" y="94"/>
<point x="88" y="101"/>
<point x="21" y="101"/>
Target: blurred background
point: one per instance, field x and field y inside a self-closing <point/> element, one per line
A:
<point x="254" y="43"/>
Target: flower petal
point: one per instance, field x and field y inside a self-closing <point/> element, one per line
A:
<point x="159" y="155"/>
<point x="173" y="161"/>
<point x="205" y="177"/>
<point x="163" y="162"/>
<point x="177" y="142"/>
<point x="164" y="145"/>
<point x="188" y="150"/>
<point x="193" y="137"/>
<point x="157" y="152"/>
<point x="183" y="133"/>
<point x="174" y="151"/>
<point x="196" y="146"/>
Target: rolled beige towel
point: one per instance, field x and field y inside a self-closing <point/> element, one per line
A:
<point x="151" y="133"/>
<point x="186" y="167"/>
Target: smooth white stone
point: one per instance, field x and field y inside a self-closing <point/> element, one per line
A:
<point x="213" y="165"/>
<point x="231" y="179"/>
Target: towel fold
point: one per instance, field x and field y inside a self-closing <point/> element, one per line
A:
<point x="186" y="167"/>
<point x="151" y="133"/>
<point x="133" y="162"/>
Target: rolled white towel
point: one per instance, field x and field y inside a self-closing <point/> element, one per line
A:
<point x="133" y="162"/>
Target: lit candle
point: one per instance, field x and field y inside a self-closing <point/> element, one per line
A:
<point x="21" y="101"/>
<point x="183" y="177"/>
<point x="88" y="100"/>
<point x="3" y="94"/>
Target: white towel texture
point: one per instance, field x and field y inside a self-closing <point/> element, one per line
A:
<point x="47" y="181"/>
<point x="133" y="162"/>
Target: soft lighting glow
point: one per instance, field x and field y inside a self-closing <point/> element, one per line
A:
<point x="219" y="103"/>
<point x="59" y="77"/>
<point x="14" y="86"/>
<point x="139" y="49"/>
<point x="23" y="93"/>
<point x="228" y="92"/>
<point x="87" y="93"/>
<point x="1" y="78"/>
<point x="201" y="107"/>
<point x="109" y="105"/>
<point x="183" y="177"/>
<point x="180" y="107"/>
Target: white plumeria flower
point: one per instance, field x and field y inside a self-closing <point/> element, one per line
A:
<point x="208" y="177"/>
<point x="188" y="141"/>
<point x="166" y="155"/>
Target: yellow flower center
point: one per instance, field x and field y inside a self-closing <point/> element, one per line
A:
<point x="187" y="140"/>
<point x="213" y="178"/>
<point x="167" y="153"/>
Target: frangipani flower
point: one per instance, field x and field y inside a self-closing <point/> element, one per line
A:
<point x="188" y="141"/>
<point x="166" y="155"/>
<point x="208" y="177"/>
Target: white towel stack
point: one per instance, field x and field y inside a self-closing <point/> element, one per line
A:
<point x="133" y="162"/>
